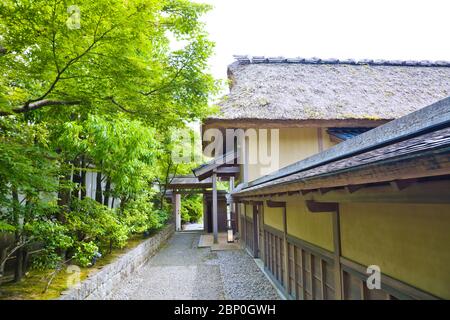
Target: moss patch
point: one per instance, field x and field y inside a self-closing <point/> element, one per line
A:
<point x="34" y="282"/>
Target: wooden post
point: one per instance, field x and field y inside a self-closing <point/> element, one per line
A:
<point x="174" y="210"/>
<point x="337" y="255"/>
<point x="332" y="207"/>
<point x="244" y="227"/>
<point x="231" y="183"/>
<point x="245" y="164"/>
<point x="205" y="213"/>
<point x="255" y="231"/>
<point x="214" y="208"/>
<point x="231" y="204"/>
<point x="320" y="139"/>
<point x="263" y="239"/>
<point x="178" y="212"/>
<point x="282" y="205"/>
<point x="285" y="248"/>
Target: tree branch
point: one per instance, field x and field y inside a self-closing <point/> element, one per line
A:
<point x="41" y="101"/>
<point x="53" y="40"/>
<point x="165" y="86"/>
<point x="66" y="66"/>
<point x="17" y="247"/>
<point x="120" y="106"/>
<point x="39" y="105"/>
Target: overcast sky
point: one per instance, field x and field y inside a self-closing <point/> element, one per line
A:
<point x="375" y="29"/>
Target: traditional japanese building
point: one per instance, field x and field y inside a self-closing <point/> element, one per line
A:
<point x="361" y="177"/>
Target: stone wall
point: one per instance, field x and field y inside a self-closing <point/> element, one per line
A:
<point x="100" y="285"/>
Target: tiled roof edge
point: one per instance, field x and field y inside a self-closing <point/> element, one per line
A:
<point x="246" y="59"/>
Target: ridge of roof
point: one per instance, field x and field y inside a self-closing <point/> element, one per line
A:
<point x="247" y="59"/>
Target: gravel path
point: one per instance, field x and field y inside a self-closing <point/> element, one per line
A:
<point x="180" y="270"/>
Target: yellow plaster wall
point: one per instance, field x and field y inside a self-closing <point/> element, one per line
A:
<point x="297" y="144"/>
<point x="294" y="144"/>
<point x="273" y="217"/>
<point x="316" y="228"/>
<point x="409" y="242"/>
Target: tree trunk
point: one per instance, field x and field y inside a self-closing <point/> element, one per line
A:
<point x="63" y="197"/>
<point x="3" y="257"/>
<point x="107" y="192"/>
<point x="18" y="266"/>
<point x="26" y="257"/>
<point x="77" y="178"/>
<point x="18" y="271"/>
<point x="167" y="181"/>
<point x="83" y="178"/>
<point x="98" y="189"/>
<point x="123" y="201"/>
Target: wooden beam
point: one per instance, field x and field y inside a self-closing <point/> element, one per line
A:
<point x="187" y="191"/>
<point x="433" y="191"/>
<point x="315" y="206"/>
<point x="278" y="124"/>
<point x="305" y="192"/>
<point x="322" y="191"/>
<point x="228" y="171"/>
<point x="353" y="188"/>
<point x="431" y="165"/>
<point x="199" y="185"/>
<point x="276" y="204"/>
<point x="399" y="185"/>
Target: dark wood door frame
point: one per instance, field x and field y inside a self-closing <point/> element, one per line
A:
<point x="256" y="221"/>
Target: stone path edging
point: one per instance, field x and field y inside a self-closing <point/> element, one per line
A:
<point x="99" y="285"/>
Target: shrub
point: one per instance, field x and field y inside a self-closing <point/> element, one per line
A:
<point x="85" y="253"/>
<point x="91" y="222"/>
<point x="140" y="216"/>
<point x="54" y="239"/>
<point x="191" y="208"/>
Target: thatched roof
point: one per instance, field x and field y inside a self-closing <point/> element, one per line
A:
<point x="425" y="130"/>
<point x="302" y="89"/>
